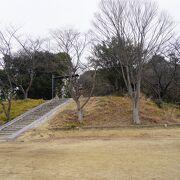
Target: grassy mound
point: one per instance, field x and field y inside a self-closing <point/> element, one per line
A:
<point x="115" y="111"/>
<point x="19" y="107"/>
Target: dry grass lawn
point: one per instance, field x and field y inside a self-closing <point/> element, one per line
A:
<point x="116" y="111"/>
<point x="138" y="154"/>
<point x="113" y="154"/>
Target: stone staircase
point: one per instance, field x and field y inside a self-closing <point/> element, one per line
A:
<point x="30" y="119"/>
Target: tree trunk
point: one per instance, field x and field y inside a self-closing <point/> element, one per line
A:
<point x="26" y="95"/>
<point x="9" y="110"/>
<point x="80" y="115"/>
<point x="6" y="111"/>
<point x="8" y="117"/>
<point x="79" y="112"/>
<point x="135" y="110"/>
<point x="116" y="85"/>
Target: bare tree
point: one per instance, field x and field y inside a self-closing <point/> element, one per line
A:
<point x="74" y="44"/>
<point x="159" y="76"/>
<point x="141" y="31"/>
<point x="6" y="86"/>
<point x="26" y="57"/>
<point x="175" y="49"/>
<point x="6" y="94"/>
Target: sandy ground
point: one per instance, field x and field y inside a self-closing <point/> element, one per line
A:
<point x="128" y="154"/>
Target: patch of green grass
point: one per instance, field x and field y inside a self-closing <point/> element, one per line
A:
<point x="19" y="107"/>
<point x="73" y="124"/>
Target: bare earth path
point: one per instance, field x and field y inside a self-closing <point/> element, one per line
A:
<point x="112" y="154"/>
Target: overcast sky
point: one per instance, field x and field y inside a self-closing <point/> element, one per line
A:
<point x="37" y="17"/>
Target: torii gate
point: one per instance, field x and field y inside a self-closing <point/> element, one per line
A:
<point x="61" y="78"/>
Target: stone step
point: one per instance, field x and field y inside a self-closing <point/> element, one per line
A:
<point x="29" y="118"/>
<point x="6" y="133"/>
<point x="24" y="122"/>
<point x="8" y="130"/>
<point x="11" y="129"/>
<point x="17" y="127"/>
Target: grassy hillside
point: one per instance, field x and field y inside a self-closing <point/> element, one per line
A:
<point x="116" y="111"/>
<point x="19" y="107"/>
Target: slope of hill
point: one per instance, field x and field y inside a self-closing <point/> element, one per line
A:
<point x="115" y="111"/>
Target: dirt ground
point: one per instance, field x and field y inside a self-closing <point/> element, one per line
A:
<point x="127" y="154"/>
